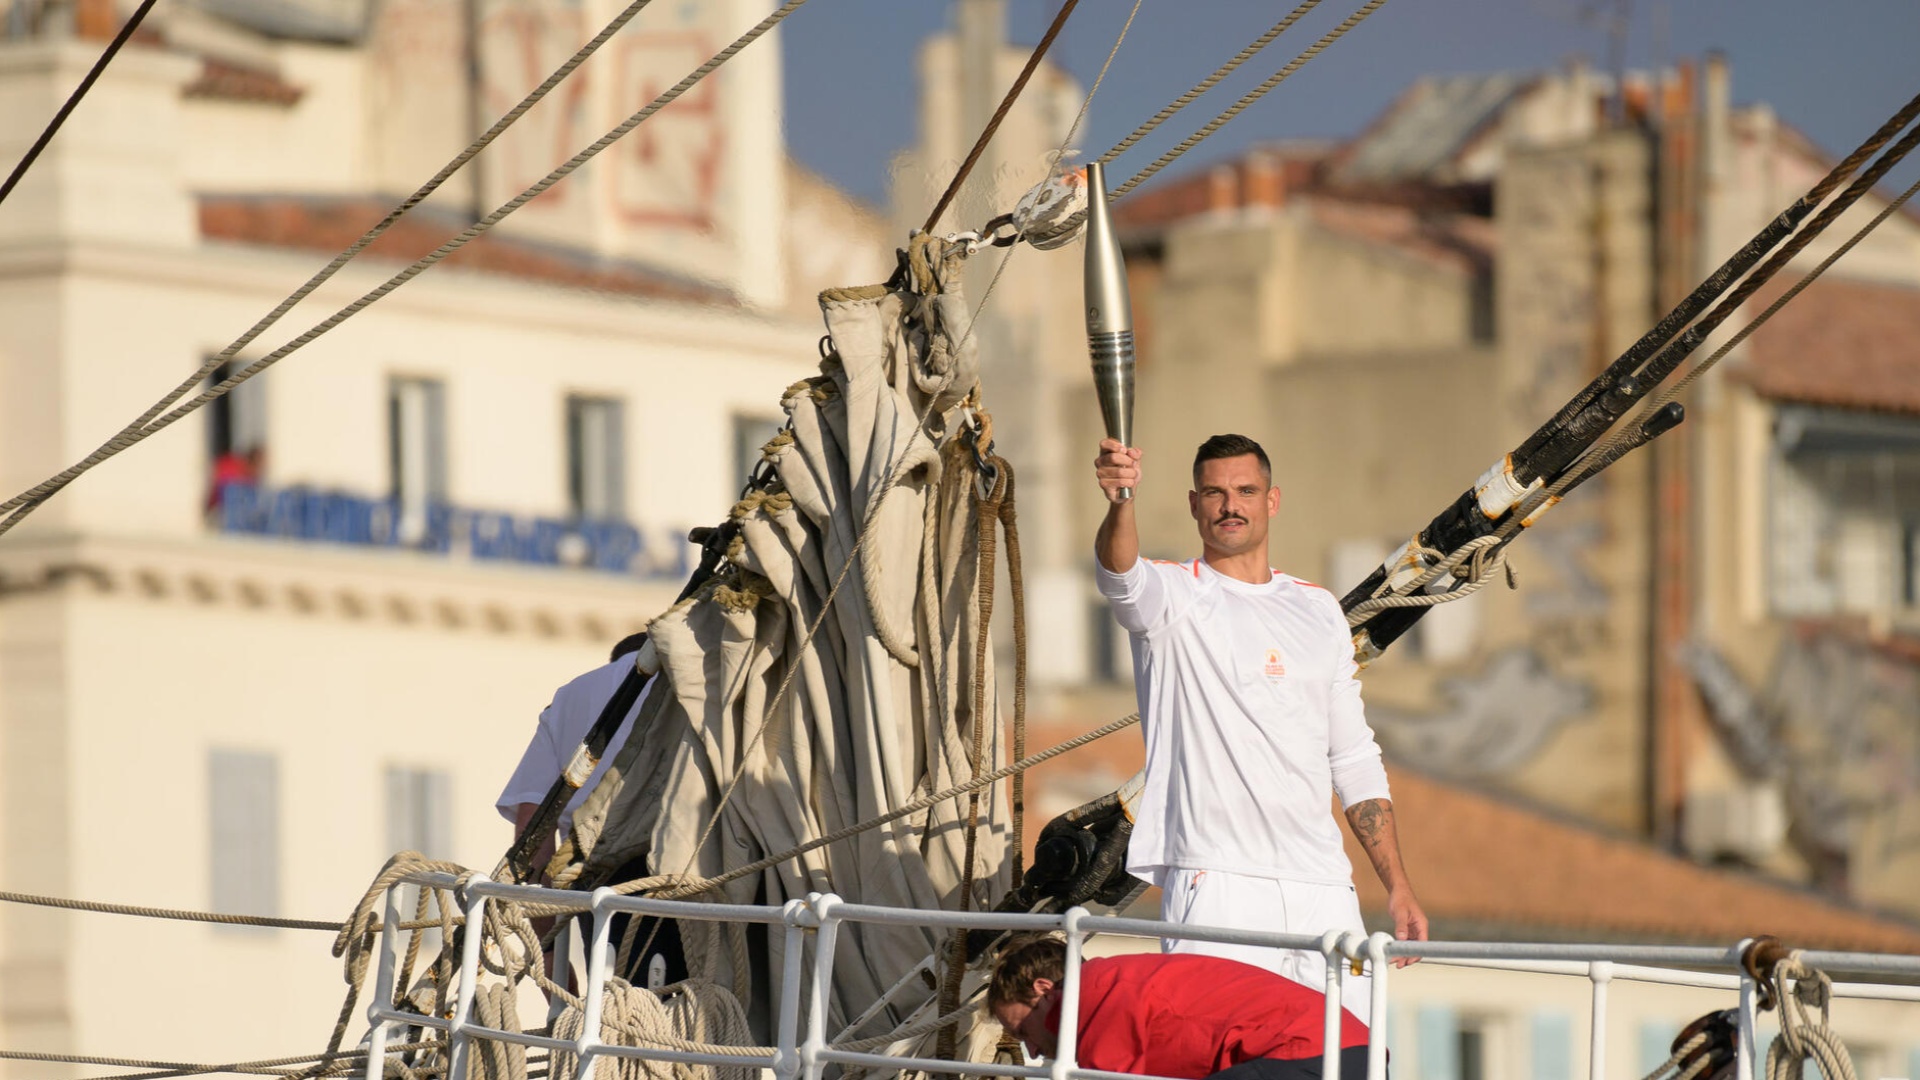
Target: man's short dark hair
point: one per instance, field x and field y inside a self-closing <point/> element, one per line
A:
<point x="1027" y="957"/>
<point x="1229" y="446"/>
<point x="628" y="645"/>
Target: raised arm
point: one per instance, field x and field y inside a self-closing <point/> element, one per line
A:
<point x="1117" y="544"/>
<point x="1372" y="825"/>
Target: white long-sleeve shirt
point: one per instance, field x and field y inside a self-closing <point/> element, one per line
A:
<point x="563" y="727"/>
<point x="1252" y="718"/>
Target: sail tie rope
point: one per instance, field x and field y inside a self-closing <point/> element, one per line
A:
<point x="155" y="420"/>
<point x="868" y="292"/>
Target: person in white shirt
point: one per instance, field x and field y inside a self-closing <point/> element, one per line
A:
<point x="1253" y="721"/>
<point x="563" y="726"/>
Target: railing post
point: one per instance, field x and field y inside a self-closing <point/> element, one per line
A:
<point x="1746" y="1044"/>
<point x="1601" y="972"/>
<point x="461" y="1043"/>
<point x="599" y="959"/>
<point x="1067" y="1049"/>
<point x="562" y="964"/>
<point x="383" y="983"/>
<point x="1377" y="1023"/>
<point x="786" y="1064"/>
<point x="824" y="942"/>
<point x="1330" y="1029"/>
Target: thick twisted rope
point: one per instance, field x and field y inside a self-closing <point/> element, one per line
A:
<point x="345" y="1059"/>
<point x="1473" y="562"/>
<point x="167" y="913"/>
<point x="154" y="421"/>
<point x="1209" y="82"/>
<point x="1804" y="1032"/>
<point x="1249" y="98"/>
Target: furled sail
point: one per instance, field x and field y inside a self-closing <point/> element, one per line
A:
<point x="827" y="672"/>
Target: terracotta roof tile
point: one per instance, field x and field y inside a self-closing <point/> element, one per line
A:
<point x="1488" y="867"/>
<point x="1851" y="344"/>
<point x="332" y="224"/>
<point x="1483" y="861"/>
<point x="222" y="81"/>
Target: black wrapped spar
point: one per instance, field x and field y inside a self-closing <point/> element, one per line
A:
<point x="1109" y="316"/>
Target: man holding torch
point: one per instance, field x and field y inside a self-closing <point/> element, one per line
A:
<point x="1248" y="697"/>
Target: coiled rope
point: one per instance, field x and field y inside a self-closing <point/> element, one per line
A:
<point x="1804" y="1032"/>
<point x="156" y="419"/>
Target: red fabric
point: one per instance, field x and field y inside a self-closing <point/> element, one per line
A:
<point x="1187" y="1015"/>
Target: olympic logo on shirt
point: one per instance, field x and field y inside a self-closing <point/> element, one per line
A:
<point x="1274" y="668"/>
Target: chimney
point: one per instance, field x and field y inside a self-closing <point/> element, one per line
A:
<point x="1266" y="183"/>
<point x="1223" y="188"/>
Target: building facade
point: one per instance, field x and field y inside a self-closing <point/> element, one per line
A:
<point x="314" y="622"/>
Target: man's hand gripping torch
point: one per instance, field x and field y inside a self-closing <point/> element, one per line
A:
<point x="1109" y="316"/>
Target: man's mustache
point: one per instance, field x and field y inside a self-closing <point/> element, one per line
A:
<point x="1231" y="517"/>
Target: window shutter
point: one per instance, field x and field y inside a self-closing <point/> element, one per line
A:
<point x="243" y="800"/>
<point x="1552" y="1039"/>
<point x="1437" y="1029"/>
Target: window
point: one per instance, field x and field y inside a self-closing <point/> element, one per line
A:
<point x="236" y="433"/>
<point x="243" y="798"/>
<point x="750" y="433"/>
<point x="419" y="811"/>
<point x="419" y="818"/>
<point x="1844" y="513"/>
<point x="417" y="451"/>
<point x="1551" y="1046"/>
<point x="596" y="458"/>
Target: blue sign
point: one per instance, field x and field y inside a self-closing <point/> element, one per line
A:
<point x="332" y="517"/>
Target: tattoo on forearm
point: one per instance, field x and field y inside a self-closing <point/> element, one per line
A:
<point x="1371" y="820"/>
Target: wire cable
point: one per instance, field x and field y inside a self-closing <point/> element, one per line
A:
<point x="73" y="99"/>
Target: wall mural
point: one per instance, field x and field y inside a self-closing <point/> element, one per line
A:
<point x="1837" y="724"/>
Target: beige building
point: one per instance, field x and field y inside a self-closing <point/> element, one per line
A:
<point x="244" y="699"/>
<point x="1711" y="645"/>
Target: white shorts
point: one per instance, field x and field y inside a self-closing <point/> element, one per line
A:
<point x="1242" y="902"/>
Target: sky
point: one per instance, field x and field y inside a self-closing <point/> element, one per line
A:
<point x="1832" y="68"/>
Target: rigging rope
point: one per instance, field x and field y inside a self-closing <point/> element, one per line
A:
<point x="73" y="99"/>
<point x="999" y="114"/>
<point x="1249" y="98"/>
<point x="1209" y="82"/>
<point x="166" y="913"/>
<point x="872" y="516"/>
<point x="154" y="420"/>
<point x="268" y="1067"/>
<point x="326" y="273"/>
<point x="1631" y="435"/>
<point x="1624" y="439"/>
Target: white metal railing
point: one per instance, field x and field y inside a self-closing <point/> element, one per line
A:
<point x="804" y="1058"/>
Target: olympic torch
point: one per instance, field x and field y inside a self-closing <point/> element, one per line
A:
<point x="1109" y="316"/>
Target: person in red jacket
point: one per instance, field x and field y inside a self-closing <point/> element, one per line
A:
<point x="1183" y="1015"/>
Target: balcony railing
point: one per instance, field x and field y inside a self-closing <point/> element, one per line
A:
<point x="803" y="1049"/>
